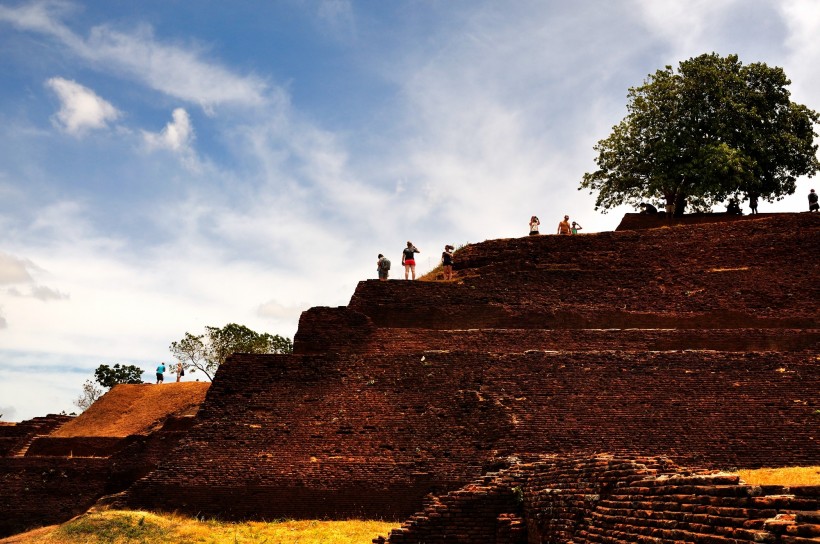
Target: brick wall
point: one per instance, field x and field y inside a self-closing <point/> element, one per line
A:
<point x="15" y="437"/>
<point x="36" y="491"/>
<point x="347" y="435"/>
<point x="738" y="275"/>
<point x="412" y="340"/>
<point x="694" y="342"/>
<point x="606" y="499"/>
<point x="95" y="446"/>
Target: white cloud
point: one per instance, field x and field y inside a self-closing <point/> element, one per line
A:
<point x="40" y="292"/>
<point x="802" y="18"/>
<point x="171" y="69"/>
<point x="80" y="108"/>
<point x="688" y="26"/>
<point x="7" y="413"/>
<point x="177" y="135"/>
<point x="14" y="270"/>
<point x="280" y="311"/>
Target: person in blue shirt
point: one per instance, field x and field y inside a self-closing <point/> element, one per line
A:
<point x="160" y="372"/>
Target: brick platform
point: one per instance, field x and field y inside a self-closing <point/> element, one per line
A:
<point x="696" y="343"/>
<point x="606" y="499"/>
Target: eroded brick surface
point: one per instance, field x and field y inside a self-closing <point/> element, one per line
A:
<point x="476" y="409"/>
<point x="607" y="499"/>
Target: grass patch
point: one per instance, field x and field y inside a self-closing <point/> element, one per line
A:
<point x="120" y="527"/>
<point x="788" y="476"/>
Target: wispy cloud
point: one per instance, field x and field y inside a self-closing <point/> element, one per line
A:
<point x="7" y="413"/>
<point x="81" y="109"/>
<point x="177" y="71"/>
<point x="687" y="26"/>
<point x="338" y="16"/>
<point x="14" y="270"/>
<point x="40" y="292"/>
<point x="802" y="18"/>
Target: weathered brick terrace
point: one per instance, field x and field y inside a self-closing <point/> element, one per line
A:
<point x="545" y="363"/>
<point x="607" y="499"/>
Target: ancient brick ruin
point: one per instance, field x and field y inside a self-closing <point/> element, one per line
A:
<point x="558" y="389"/>
<point x="56" y="467"/>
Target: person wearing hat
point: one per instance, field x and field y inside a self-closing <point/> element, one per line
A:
<point x="813" y="205"/>
<point x="563" y="226"/>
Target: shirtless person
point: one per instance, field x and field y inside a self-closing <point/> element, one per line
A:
<point x="563" y="226"/>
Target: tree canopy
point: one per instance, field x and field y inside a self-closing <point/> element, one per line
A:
<point x="713" y="130"/>
<point x="107" y="377"/>
<point x="207" y="351"/>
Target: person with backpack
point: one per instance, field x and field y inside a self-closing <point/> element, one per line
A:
<point x="409" y="260"/>
<point x="383" y="266"/>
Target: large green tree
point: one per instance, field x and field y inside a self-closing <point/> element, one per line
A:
<point x="713" y="130"/>
<point x="205" y="352"/>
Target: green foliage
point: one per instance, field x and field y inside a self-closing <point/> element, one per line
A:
<point x="117" y="527"/>
<point x="108" y="376"/>
<point x="714" y="129"/>
<point x="207" y="351"/>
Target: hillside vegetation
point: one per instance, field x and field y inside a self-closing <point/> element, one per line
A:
<point x="118" y="526"/>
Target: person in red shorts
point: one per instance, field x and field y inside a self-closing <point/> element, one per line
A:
<point x="408" y="259"/>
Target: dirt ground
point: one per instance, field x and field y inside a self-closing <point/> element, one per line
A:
<point x="136" y="409"/>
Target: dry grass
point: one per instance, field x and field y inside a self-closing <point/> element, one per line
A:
<point x="788" y="476"/>
<point x="119" y="527"/>
<point x="437" y="273"/>
<point x="135" y="409"/>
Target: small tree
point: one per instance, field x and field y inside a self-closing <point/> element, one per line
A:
<point x="108" y="376"/>
<point x="89" y="395"/>
<point x="206" y="352"/>
<point x="713" y="130"/>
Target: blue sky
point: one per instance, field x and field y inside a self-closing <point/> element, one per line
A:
<point x="167" y="165"/>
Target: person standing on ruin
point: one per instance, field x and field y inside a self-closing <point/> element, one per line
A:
<point x="160" y="372"/>
<point x="408" y="259"/>
<point x="180" y="370"/>
<point x="447" y="261"/>
<point x="563" y="226"/>
<point x="813" y="205"/>
<point x="670" y="209"/>
<point x="753" y="198"/>
<point x="576" y="227"/>
<point x="534" y="222"/>
<point x="383" y="267"/>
